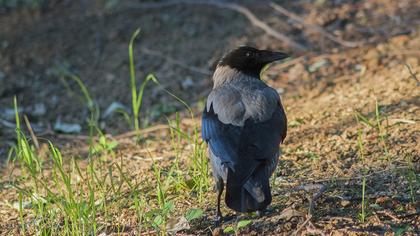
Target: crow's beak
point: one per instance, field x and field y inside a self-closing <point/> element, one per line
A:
<point x="269" y="56"/>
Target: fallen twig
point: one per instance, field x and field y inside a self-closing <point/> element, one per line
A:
<point x="153" y="232"/>
<point x="289" y="213"/>
<point x="31" y="132"/>
<point x="311" y="187"/>
<point x="315" y="28"/>
<point x="339" y="218"/>
<point x="313" y="229"/>
<point x="314" y="198"/>
<point x="232" y="6"/>
<point x="412" y="75"/>
<point x="405" y="121"/>
<point x="308" y="218"/>
<point x="390" y="215"/>
<point x="417" y="213"/>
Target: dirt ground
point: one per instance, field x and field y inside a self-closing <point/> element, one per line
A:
<point x="335" y="97"/>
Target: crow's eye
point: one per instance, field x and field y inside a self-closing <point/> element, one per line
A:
<point x="248" y="54"/>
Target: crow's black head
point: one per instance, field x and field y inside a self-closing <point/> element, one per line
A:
<point x="249" y="60"/>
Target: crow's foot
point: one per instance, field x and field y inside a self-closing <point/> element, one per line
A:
<point x="260" y="213"/>
<point x="218" y="220"/>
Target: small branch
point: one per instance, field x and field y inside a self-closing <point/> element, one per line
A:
<point x="31" y="132"/>
<point x="311" y="187"/>
<point x="308" y="218"/>
<point x="390" y="215"/>
<point x="316" y="28"/>
<point x="234" y="7"/>
<point x="153" y="232"/>
<point x="314" y="198"/>
<point x="260" y="24"/>
<point x="412" y="75"/>
<point x="417" y="213"/>
<point x="314" y="230"/>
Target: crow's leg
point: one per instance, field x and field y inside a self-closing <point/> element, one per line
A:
<point x="219" y="186"/>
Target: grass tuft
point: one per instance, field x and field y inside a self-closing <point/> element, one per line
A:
<point x="136" y="93"/>
<point x="362" y="215"/>
<point x="61" y="194"/>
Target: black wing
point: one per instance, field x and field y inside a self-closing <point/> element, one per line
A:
<point x="243" y="148"/>
<point x="223" y="139"/>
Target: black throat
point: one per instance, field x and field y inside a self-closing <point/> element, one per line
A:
<point x="249" y="71"/>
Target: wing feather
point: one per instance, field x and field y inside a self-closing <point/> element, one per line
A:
<point x="240" y="139"/>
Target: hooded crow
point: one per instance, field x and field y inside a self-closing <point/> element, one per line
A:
<point x="243" y="124"/>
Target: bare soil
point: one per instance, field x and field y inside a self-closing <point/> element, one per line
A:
<point x="323" y="90"/>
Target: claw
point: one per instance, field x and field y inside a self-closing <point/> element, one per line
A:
<point x="218" y="220"/>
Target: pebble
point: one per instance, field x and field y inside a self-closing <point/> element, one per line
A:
<point x="344" y="203"/>
<point x="9" y="113"/>
<point x="67" y="127"/>
<point x="382" y="48"/>
<point x="186" y="84"/>
<point x="372" y="57"/>
<point x="280" y="90"/>
<point x="39" y="109"/>
<point x="318" y="65"/>
<point x="217" y="232"/>
<point x="400" y="40"/>
<point x="114" y="107"/>
<point x="110" y="77"/>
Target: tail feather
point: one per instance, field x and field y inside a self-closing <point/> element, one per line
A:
<point x="253" y="195"/>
